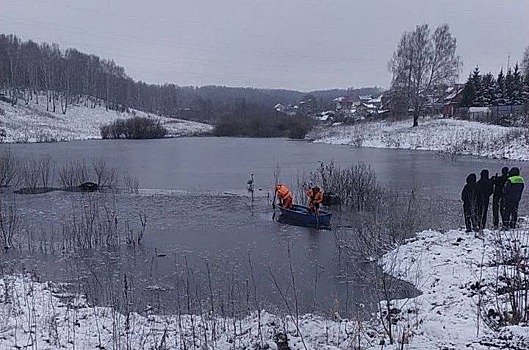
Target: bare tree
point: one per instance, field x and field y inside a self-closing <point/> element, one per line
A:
<point x="423" y="63"/>
<point x="8" y="167"/>
<point x="106" y="175"/>
<point x="73" y="173"/>
<point x="9" y="221"/>
<point x="13" y="55"/>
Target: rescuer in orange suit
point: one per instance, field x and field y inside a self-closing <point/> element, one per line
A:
<point x="315" y="198"/>
<point x="285" y="196"/>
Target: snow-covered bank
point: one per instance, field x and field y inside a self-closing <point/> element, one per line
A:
<point x="38" y="316"/>
<point x="445" y="135"/>
<point x="450" y="268"/>
<point x="445" y="266"/>
<point x="32" y="123"/>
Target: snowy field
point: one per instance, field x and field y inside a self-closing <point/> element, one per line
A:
<point x="444" y="266"/>
<point x="446" y="135"/>
<point x="32" y="123"/>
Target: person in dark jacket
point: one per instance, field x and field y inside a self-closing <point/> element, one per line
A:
<point x="471" y="201"/>
<point x="485" y="190"/>
<point x="512" y="194"/>
<point x="498" y="205"/>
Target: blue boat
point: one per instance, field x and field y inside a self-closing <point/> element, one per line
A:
<point x="299" y="215"/>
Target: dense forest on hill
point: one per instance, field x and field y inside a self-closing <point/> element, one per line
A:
<point x="29" y="70"/>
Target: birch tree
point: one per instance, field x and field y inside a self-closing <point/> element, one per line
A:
<point x="422" y="63"/>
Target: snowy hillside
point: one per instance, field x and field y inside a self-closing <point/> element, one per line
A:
<point x="32" y="123"/>
<point x="446" y="135"/>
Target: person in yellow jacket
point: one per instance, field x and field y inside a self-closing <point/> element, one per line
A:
<point x="315" y="198"/>
<point x="285" y="196"/>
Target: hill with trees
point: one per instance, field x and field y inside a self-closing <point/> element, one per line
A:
<point x="43" y="73"/>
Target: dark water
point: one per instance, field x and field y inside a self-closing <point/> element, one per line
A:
<point x="204" y="235"/>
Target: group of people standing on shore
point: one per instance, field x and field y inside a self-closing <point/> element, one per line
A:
<point x="506" y="190"/>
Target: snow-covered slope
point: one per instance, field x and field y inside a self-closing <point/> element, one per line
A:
<point x="32" y="123"/>
<point x="446" y="135"/>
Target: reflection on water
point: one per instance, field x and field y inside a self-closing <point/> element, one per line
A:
<point x="206" y="245"/>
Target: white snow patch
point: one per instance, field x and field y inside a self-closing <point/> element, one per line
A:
<point x="445" y="135"/>
<point x="32" y="123"/>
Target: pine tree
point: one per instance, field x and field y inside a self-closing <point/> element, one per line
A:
<point x="525" y="74"/>
<point x="478" y="88"/>
<point x="469" y="93"/>
<point x="499" y="90"/>
<point x="518" y="86"/>
<point x="487" y="84"/>
<point x="525" y="91"/>
<point x="525" y="64"/>
<point x="509" y="88"/>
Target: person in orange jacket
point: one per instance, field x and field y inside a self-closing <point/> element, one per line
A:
<point x="315" y="198"/>
<point x="285" y="196"/>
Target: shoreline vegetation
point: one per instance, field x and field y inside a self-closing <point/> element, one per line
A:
<point x="134" y="128"/>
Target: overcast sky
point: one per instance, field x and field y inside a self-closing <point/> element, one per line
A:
<point x="293" y="44"/>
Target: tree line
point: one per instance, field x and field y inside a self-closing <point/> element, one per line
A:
<point x="43" y="73"/>
<point x="28" y="70"/>
<point x="510" y="89"/>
